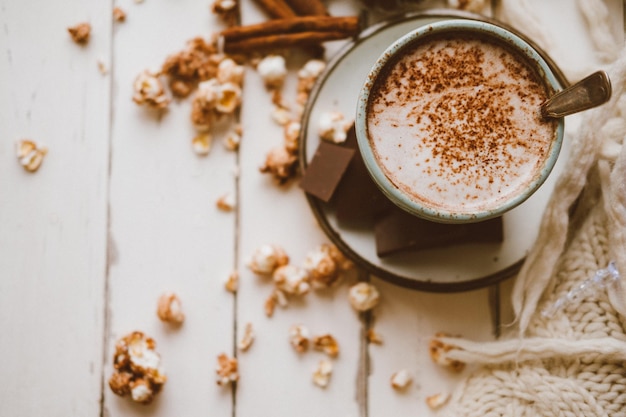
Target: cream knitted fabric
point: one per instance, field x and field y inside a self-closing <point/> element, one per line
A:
<point x="573" y="361"/>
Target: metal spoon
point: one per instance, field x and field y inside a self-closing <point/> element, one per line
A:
<point x="589" y="92"/>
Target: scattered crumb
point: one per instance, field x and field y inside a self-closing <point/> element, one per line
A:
<point x="437" y="401"/>
<point x="401" y="379"/>
<point x="102" y="68"/>
<point x="170" y="309"/>
<point x="201" y="143"/>
<point x="299" y="338"/>
<point x="247" y="339"/>
<point x="363" y="296"/>
<point x="233" y="139"/>
<point x="327" y="344"/>
<point x="291" y="133"/>
<point x="137" y="367"/>
<point x="232" y="282"/>
<point x="118" y="14"/>
<point x="80" y="33"/>
<point x="30" y="154"/>
<point x="226" y="370"/>
<point x="373" y="337"/>
<point x="276" y="298"/>
<point x="322" y="374"/>
<point x="226" y="202"/>
<point x="438" y="351"/>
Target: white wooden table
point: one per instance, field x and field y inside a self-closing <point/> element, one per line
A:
<point x="123" y="210"/>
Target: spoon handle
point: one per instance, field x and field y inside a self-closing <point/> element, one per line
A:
<point x="589" y="92"/>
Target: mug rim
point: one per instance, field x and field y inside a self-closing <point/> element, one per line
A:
<point x="399" y="197"/>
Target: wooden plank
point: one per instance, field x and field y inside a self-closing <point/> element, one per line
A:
<point x="280" y="215"/>
<point x="53" y="222"/>
<point x="166" y="232"/>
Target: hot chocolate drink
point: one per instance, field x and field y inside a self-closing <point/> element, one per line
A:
<point x="453" y="122"/>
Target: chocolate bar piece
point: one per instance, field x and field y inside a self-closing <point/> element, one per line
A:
<point x="398" y="231"/>
<point x="358" y="200"/>
<point x="326" y="169"/>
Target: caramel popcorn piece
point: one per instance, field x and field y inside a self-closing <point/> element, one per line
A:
<point x="435" y="402"/>
<point x="276" y="298"/>
<point x="149" y="90"/>
<point x="266" y="258"/>
<point x="228" y="71"/>
<point x="291" y="280"/>
<point x="213" y="99"/>
<point x="438" y="351"/>
<point x="363" y="296"/>
<point x="169" y="308"/>
<point x="227" y="10"/>
<point x="201" y="143"/>
<point x="185" y="69"/>
<point x="80" y="33"/>
<point x="226" y="202"/>
<point x="307" y="76"/>
<point x="273" y="71"/>
<point x="247" y="339"/>
<point x="233" y="139"/>
<point x="401" y="379"/>
<point x="228" y="98"/>
<point x="299" y="338"/>
<point x="327" y="344"/>
<point x="137" y="367"/>
<point x="333" y="127"/>
<point x="281" y="164"/>
<point x="373" y="337"/>
<point x="322" y="374"/>
<point x="281" y="115"/>
<point x="292" y="135"/>
<point x="119" y="15"/>
<point x="322" y="268"/>
<point x="232" y="282"/>
<point x="30" y="154"/>
<point x="226" y="370"/>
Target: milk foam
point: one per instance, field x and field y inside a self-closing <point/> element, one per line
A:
<point x="454" y="123"/>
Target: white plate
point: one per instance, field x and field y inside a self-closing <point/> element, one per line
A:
<point x="454" y="268"/>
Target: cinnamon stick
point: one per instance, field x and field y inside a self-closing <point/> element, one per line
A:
<point x="281" y="41"/>
<point x="276" y="9"/>
<point x="308" y="7"/>
<point x="348" y="25"/>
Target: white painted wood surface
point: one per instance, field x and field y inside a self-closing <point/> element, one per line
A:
<point x="122" y="210"/>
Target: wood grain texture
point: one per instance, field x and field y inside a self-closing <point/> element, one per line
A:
<point x="53" y="222"/>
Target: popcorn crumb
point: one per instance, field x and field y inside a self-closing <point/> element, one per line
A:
<point x="292" y="135"/>
<point x="30" y="154"/>
<point x="437" y="401"/>
<point x="281" y="115"/>
<point x="247" y="339"/>
<point x="273" y="71"/>
<point x="322" y="374"/>
<point x="291" y="280"/>
<point x="226" y="202"/>
<point x="119" y="15"/>
<point x="475" y="6"/>
<point x="170" y="309"/>
<point x="226" y="370"/>
<point x="149" y="90"/>
<point x="327" y="344"/>
<point x="363" y="296"/>
<point x="201" y="143"/>
<point x="227" y="10"/>
<point x="373" y="337"/>
<point x="266" y="258"/>
<point x="137" y="368"/>
<point x="276" y="298"/>
<point x="197" y="62"/>
<point x="307" y="75"/>
<point x="333" y="127"/>
<point x="438" y="351"/>
<point x="102" y="68"/>
<point x="232" y="282"/>
<point x="299" y="337"/>
<point x="80" y="33"/>
<point x="401" y="379"/>
<point x="233" y="139"/>
<point x="228" y="71"/>
<point x="281" y="164"/>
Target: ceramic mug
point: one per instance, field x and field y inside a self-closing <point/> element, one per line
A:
<point x="448" y="121"/>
